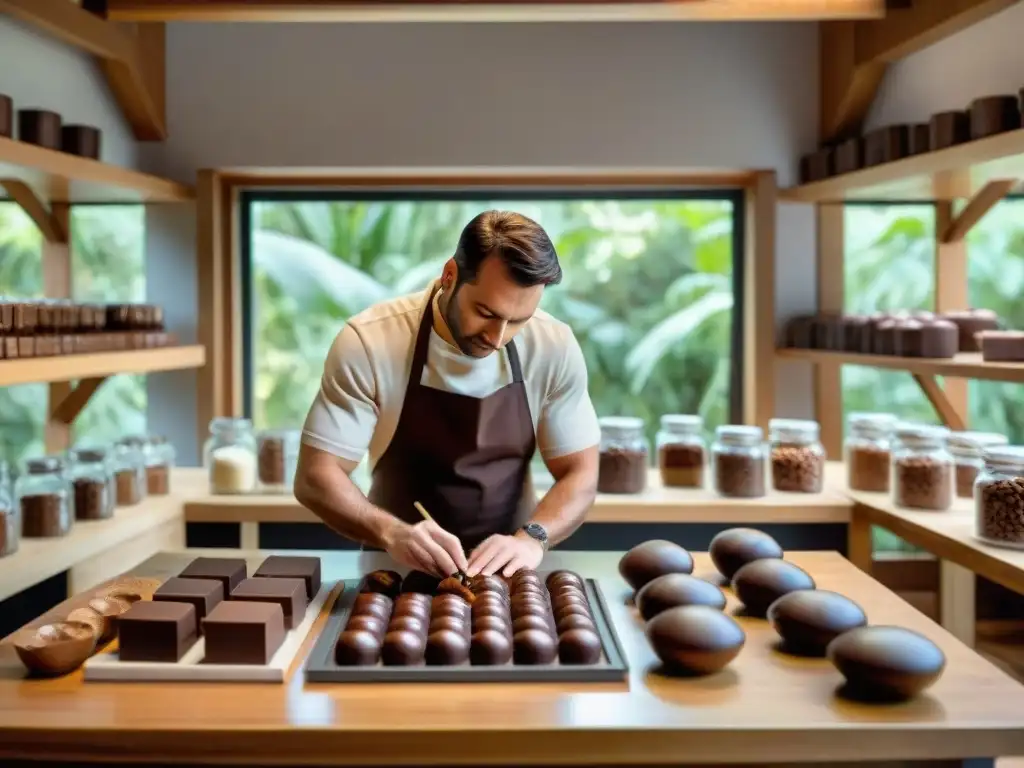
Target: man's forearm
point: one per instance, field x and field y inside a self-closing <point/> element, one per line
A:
<point x="344" y="508"/>
<point x="565" y="505"/>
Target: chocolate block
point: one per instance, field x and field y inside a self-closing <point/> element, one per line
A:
<point x="290" y="594"/>
<point x="81" y="140"/>
<point x="850" y="155"/>
<point x="970" y="322"/>
<point x="156" y="631"/>
<point x="201" y="594"/>
<point x="229" y="571"/>
<point x="919" y="139"/>
<point x="884" y="145"/>
<point x="6" y="116"/>
<point x="288" y="567"/>
<point x="948" y="129"/>
<point x="243" y="632"/>
<point x="40" y="127"/>
<point x="1002" y="346"/>
<point x="994" y="114"/>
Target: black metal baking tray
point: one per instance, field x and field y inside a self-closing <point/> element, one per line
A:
<point x="321" y="667"/>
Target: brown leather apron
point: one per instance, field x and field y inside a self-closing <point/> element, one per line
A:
<point x="465" y="459"/>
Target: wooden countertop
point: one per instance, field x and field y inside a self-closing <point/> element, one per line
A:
<point x="656" y="504"/>
<point x="766" y="707"/>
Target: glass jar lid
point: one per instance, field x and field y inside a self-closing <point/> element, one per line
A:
<point x="921" y="435"/>
<point x="43" y="465"/>
<point x="793" y="430"/>
<point x="973" y="443"/>
<point x="230" y="424"/>
<point x="739" y="434"/>
<point x="621" y="426"/>
<point x="89" y="454"/>
<point x="682" y="423"/>
<point x="1004" y="459"/>
<point x="871" y="423"/>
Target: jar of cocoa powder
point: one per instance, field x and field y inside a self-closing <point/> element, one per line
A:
<point x="624" y="452"/>
<point x="277" y="452"/>
<point x="10" y="520"/>
<point x="92" y="484"/>
<point x="798" y="457"/>
<point x="999" y="497"/>
<point x="967" y="449"/>
<point x="868" y="451"/>
<point x="922" y="468"/>
<point x="128" y="465"/>
<point x="159" y="456"/>
<point x="739" y="459"/>
<point x="42" y="492"/>
<point x="682" y="454"/>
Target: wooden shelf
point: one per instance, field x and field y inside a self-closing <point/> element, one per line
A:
<point x="58" y="177"/>
<point x="964" y="366"/>
<point x="72" y="367"/>
<point x="946" y="174"/>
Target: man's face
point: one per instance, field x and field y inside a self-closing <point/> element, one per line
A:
<point x="484" y="315"/>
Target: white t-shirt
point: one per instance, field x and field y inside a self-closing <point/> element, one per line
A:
<point x="367" y="372"/>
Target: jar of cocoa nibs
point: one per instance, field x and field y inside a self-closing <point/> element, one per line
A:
<point x="129" y="467"/>
<point x="277" y="452"/>
<point x="42" y="492"/>
<point x="624" y="452"/>
<point x="798" y="457"/>
<point x="868" y="451"/>
<point x="10" y="520"/>
<point x="159" y="456"/>
<point x="999" y="497"/>
<point x="92" y="484"/>
<point x="739" y="458"/>
<point x="682" y="455"/>
<point x="967" y="449"/>
<point x="922" y="468"/>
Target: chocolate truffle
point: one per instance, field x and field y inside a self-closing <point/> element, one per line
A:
<point x="408" y="623"/>
<point x="489" y="647"/>
<point x="695" y="639"/>
<point x="292" y="567"/>
<point x="497" y="623"/>
<point x="201" y="594"/>
<point x="372" y="605"/>
<point x="558" y="578"/>
<point x="384" y="582"/>
<point x="534" y="646"/>
<point x="156" y="631"/>
<point x="451" y="623"/>
<point x="241" y="632"/>
<point x="569" y="608"/>
<point x="229" y="571"/>
<point x="357" y="649"/>
<point x="531" y="621"/>
<point x="418" y="582"/>
<point x="579" y="646"/>
<point x="371" y="624"/>
<point x="886" y="663"/>
<point x="808" y="620"/>
<point x="447" y="648"/>
<point x="290" y="594"/>
<point x="402" y="649"/>
<point x="449" y="605"/>
<point x="675" y="589"/>
<point x="481" y="584"/>
<point x="732" y="549"/>
<point x="573" y="621"/>
<point x="646" y="562"/>
<point x="760" y="583"/>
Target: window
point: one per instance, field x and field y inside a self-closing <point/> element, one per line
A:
<point x="648" y="288"/>
<point x="108" y="265"/>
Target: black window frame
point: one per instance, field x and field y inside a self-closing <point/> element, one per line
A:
<point x="736" y="196"/>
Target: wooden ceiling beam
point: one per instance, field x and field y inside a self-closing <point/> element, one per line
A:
<point x="131" y="56"/>
<point x="856" y="54"/>
<point x="492" y="10"/>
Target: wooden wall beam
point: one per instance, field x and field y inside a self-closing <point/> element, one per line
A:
<point x="56" y="262"/>
<point x="759" y="301"/>
<point x="131" y="56"/>
<point x="828" y="377"/>
<point x="855" y="54"/>
<point x="215" y="302"/>
<point x="951" y="294"/>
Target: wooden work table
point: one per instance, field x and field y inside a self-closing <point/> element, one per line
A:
<point x="766" y="708"/>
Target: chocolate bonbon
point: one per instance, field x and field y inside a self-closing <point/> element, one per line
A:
<point x="886" y="663"/>
<point x="731" y="549"/>
<point x="651" y="559"/>
<point x="808" y="620"/>
<point x="676" y="589"/>
<point x="760" y="583"/>
<point x="695" y="639"/>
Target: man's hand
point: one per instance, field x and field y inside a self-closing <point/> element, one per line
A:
<point x="506" y="554"/>
<point x="426" y="547"/>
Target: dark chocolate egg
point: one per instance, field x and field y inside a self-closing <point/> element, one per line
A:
<point x="402" y="649"/>
<point x="760" y="583"/>
<point x="534" y="646"/>
<point x="646" y="562"/>
<point x="447" y="648"/>
<point x="408" y="623"/>
<point x="886" y="663"/>
<point x="558" y="578"/>
<point x="695" y="639"/>
<point x="732" y="549"/>
<point x="675" y="589"/>
<point x="372" y="624"/>
<point x="385" y="582"/>
<point x="453" y="623"/>
<point x="808" y="620"/>
<point x="531" y="621"/>
<point x="357" y="648"/>
<point x="420" y="582"/>
<point x="579" y="646"/>
<point x="489" y="647"/>
<point x="573" y="621"/>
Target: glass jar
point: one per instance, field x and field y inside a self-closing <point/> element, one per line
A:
<point x="739" y="456"/>
<point x="798" y="457"/>
<point x="922" y="468"/>
<point x="276" y="456"/>
<point x="622" y="467"/>
<point x="92" y="483"/>
<point x="999" y="497"/>
<point x="42" y="491"/>
<point x="159" y="456"/>
<point x="868" y="451"/>
<point x="128" y="464"/>
<point x="230" y="456"/>
<point x="967" y="449"/>
<point x="10" y="520"/>
<point x="682" y="454"/>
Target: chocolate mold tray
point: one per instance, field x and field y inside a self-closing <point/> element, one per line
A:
<point x="322" y="668"/>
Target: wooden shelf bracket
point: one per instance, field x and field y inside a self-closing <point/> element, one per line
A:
<point x="66" y="410"/>
<point x="950" y="416"/>
<point x="49" y="224"/>
<point x="983" y="201"/>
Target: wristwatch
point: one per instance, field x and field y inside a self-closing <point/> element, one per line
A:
<point x="538" y="533"/>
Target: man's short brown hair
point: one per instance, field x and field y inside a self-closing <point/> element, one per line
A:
<point x="520" y="242"/>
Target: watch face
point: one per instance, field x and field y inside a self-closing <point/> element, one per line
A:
<point x="536" y="530"/>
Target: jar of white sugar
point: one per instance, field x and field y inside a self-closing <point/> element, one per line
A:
<point x="230" y="456"/>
